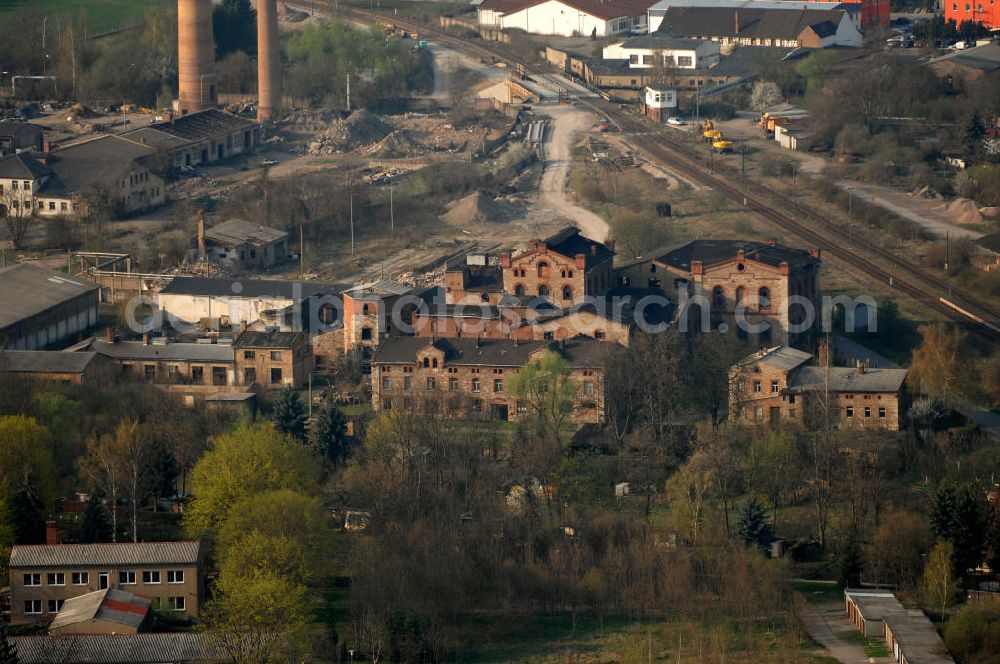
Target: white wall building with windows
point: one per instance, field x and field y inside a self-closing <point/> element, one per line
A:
<point x="677" y="53"/>
<point x="565" y="17"/>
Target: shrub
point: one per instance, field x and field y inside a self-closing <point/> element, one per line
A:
<point x="973" y="635"/>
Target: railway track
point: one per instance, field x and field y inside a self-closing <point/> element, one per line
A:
<point x="978" y="318"/>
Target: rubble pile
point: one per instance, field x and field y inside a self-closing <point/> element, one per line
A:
<point x="360" y="129"/>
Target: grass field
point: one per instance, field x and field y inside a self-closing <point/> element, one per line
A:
<point x="101" y="14"/>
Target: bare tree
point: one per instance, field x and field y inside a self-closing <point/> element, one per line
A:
<point x="18" y="213"/>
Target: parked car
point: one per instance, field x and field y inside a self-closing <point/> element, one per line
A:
<point x="676" y="121"/>
<point x="269" y="162"/>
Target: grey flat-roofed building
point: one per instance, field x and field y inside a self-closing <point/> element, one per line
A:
<point x="40" y="308"/>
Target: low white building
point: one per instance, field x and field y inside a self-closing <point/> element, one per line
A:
<point x="659" y="103"/>
<point x="565" y="17"/>
<point x="677" y="52"/>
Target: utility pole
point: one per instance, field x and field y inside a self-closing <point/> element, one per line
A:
<point x="743" y="164"/>
<point x="348" y="92"/>
<point x="302" y="252"/>
<point x="352" y="224"/>
<point x="392" y="216"/>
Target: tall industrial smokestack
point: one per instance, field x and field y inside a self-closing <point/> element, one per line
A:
<point x="195" y="57"/>
<point x="268" y="60"/>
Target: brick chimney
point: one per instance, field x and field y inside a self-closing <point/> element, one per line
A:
<point x="505" y="261"/>
<point x="109" y="334"/>
<point x="610" y="244"/>
<point x="51" y="536"/>
<point x="815" y="252"/>
<point x="581" y="261"/>
<point x="737" y="17"/>
<point x="696" y="267"/>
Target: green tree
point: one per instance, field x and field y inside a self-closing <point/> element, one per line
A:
<point x="283" y="515"/>
<point x="95" y="526"/>
<point x="752" y="526"/>
<point x="546" y="386"/>
<point x="25" y="453"/>
<point x="849" y="564"/>
<point x="973" y="634"/>
<point x="6" y="538"/>
<point x="957" y="517"/>
<point x="246" y="462"/>
<point x="258" y="618"/>
<point x="975" y="132"/>
<point x="290" y="413"/>
<point x="234" y="26"/>
<point x="941" y="588"/>
<point x="328" y="434"/>
<point x="814" y="68"/>
<point x="27" y="515"/>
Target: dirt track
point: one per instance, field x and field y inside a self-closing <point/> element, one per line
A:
<point x="568" y="124"/>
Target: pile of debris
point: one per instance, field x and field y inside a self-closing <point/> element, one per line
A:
<point x="399" y="143"/>
<point x="962" y="211"/>
<point x="360" y="129"/>
<point x="79" y="111"/>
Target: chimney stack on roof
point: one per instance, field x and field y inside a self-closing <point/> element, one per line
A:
<point x="737" y="15"/>
<point x="51" y="534"/>
<point x="109" y="334"/>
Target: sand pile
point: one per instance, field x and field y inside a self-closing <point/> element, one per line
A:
<point x="81" y="112"/>
<point x="476" y="208"/>
<point x="360" y="129"/>
<point x="963" y="211"/>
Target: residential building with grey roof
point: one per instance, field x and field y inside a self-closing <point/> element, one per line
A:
<point x="44" y="576"/>
<point x="61" y="183"/>
<point x="779" y="385"/>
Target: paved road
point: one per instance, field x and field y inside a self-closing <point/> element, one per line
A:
<point x="827" y="625"/>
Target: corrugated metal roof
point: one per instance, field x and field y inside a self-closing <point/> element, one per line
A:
<point x="108" y="605"/>
<point x="779" y="357"/>
<point x="44" y="361"/>
<point x="118" y="648"/>
<point x="238" y="231"/>
<point x="112" y="555"/>
<point x="27" y="290"/>
<point x="181" y="352"/>
<point x="848" y="379"/>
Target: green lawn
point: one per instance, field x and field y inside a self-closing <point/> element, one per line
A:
<point x="101" y="14"/>
<point x="818" y="592"/>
